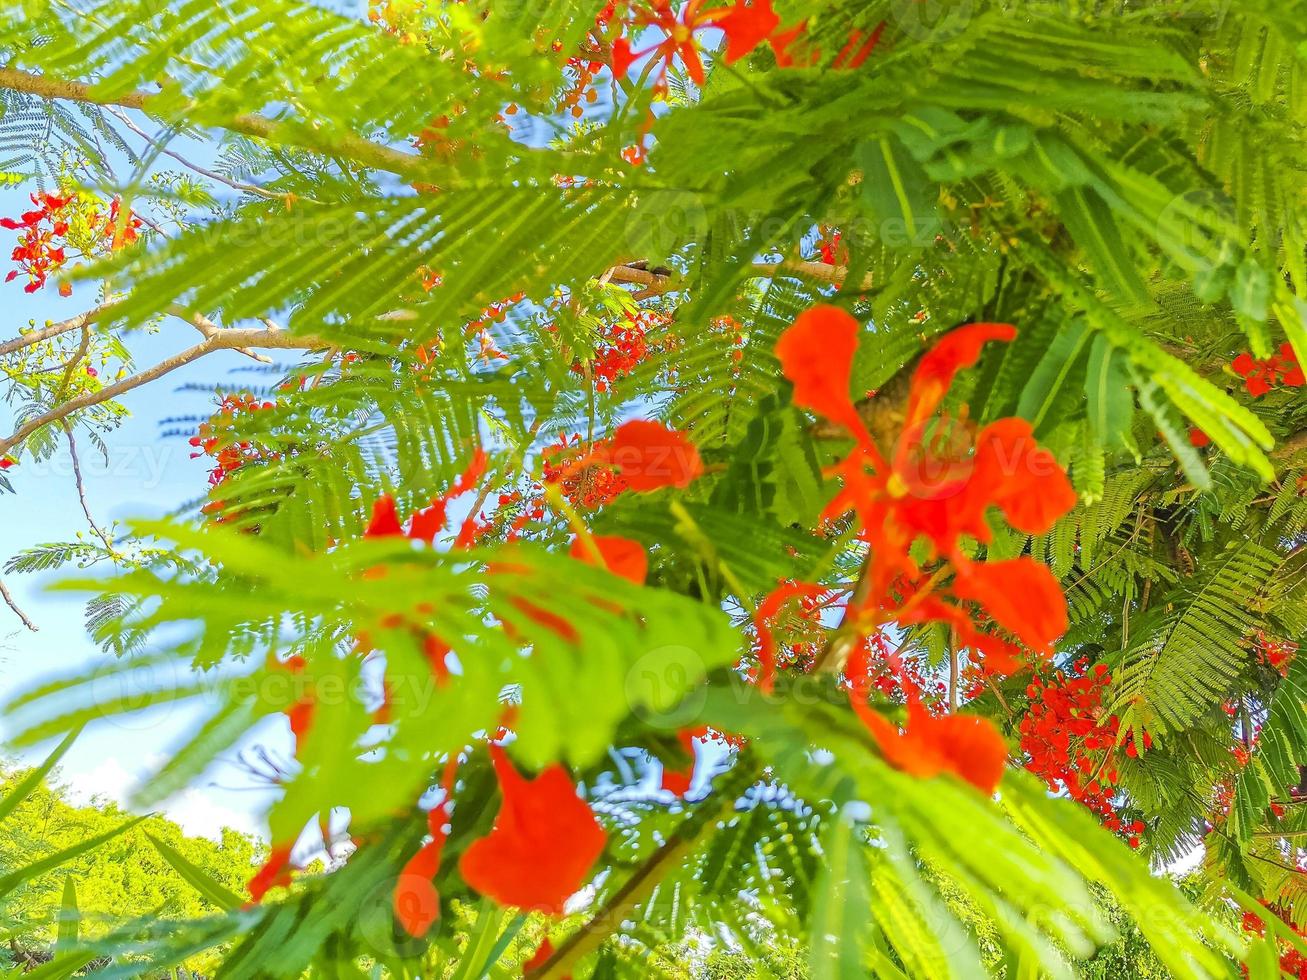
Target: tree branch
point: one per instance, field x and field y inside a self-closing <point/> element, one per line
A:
<point x="17" y="611"/>
<point x="233" y="339"/>
<point x="365" y="152"/>
<point x="656" y="281"/>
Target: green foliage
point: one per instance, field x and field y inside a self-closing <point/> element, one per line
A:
<point x="1124" y="185"/>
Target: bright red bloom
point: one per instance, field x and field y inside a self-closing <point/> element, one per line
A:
<point x="1261" y="377"/>
<point x="939" y="485"/>
<point x="649" y="456"/>
<point x="678" y="38"/>
<point x="954" y="351"/>
<point x="544" y="841"/>
<point x="275" y="873"/>
<point x="429" y="521"/>
<point x="746" y="26"/>
<point x="966" y="746"/>
<point x="1021" y="594"/>
<point x="621" y="556"/>
<point x="1198" y="438"/>
<point x="816" y="355"/>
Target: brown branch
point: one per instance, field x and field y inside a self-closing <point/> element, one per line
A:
<point x="203" y="324"/>
<point x="233" y="339"/>
<point x="126" y="120"/>
<point x="54" y="329"/>
<point x="656" y="282"/>
<point x="362" y="151"/>
<point x="9" y="601"/>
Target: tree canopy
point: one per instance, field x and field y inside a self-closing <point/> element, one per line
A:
<point x="826" y="477"/>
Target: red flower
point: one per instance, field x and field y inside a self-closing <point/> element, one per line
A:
<point x="542" y="846"/>
<point x="428" y="522"/>
<point x="747" y="26"/>
<point x="678" y="38"/>
<point x="1198" y="438"/>
<point x="1261" y="377"/>
<point x="965" y="745"/>
<point x="816" y="355"/>
<point x="621" y="556"/>
<point x="940" y="484"/>
<point x="1021" y="594"/>
<point x="649" y="456"/>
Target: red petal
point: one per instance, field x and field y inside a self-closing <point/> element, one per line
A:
<point x="746" y="27"/>
<point x="856" y="50"/>
<point x="275" y="872"/>
<point x="540" y="957"/>
<point x="1243" y="364"/>
<point x="544" y="841"/>
<point x="549" y="620"/>
<point x="651" y="456"/>
<point x="1020" y="594"/>
<point x="955" y="350"/>
<point x="621" y="556"/>
<point x="816" y="355"/>
<point x="385" y="522"/>
<point x="428" y="522"/>
<point x="1024" y="481"/>
<point x="622" y="58"/>
<point x="677" y="781"/>
<point x="964" y="745"/>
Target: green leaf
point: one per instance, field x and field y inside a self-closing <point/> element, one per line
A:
<point x="39" y="867"/>
<point x="33" y="779"/>
<point x="197" y="877"/>
<point x="68" y="917"/>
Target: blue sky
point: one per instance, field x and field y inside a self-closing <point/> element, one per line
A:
<point x="146" y="475"/>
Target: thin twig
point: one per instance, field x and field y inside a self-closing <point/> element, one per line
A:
<point x="126" y="120"/>
<point x="81" y="488"/>
<point x="9" y="601"/>
<point x="233" y="339"/>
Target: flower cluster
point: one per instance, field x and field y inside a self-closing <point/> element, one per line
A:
<point x="937" y="487"/>
<point x="623" y="346"/>
<point x="1292" y="962"/>
<point x="746" y="25"/>
<point x="1276" y="654"/>
<point x="1278" y="370"/>
<point x="215" y="439"/>
<point x="640" y="456"/>
<point x="59" y="223"/>
<point x="1069" y="740"/>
